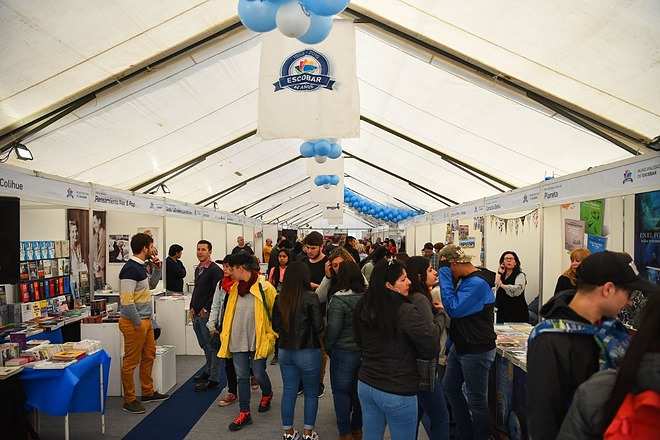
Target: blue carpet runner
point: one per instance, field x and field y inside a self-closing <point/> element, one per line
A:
<point x="175" y="417"/>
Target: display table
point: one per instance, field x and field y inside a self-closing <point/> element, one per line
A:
<point x="511" y="380"/>
<point x="81" y="387"/>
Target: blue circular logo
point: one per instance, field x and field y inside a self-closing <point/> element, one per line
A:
<point x="305" y="71"/>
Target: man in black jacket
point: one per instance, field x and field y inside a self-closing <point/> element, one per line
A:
<point x="207" y="276"/>
<point x="175" y="272"/>
<point x="558" y="362"/>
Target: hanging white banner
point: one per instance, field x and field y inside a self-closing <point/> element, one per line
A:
<point x="30" y="187"/>
<point x="119" y="200"/>
<point x="309" y="92"/>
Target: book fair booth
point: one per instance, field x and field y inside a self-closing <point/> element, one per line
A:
<point x="396" y="122"/>
<point x="74" y="239"/>
<point x="611" y="207"/>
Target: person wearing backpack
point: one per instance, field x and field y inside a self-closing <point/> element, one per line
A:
<point x="577" y="338"/>
<point x="624" y="404"/>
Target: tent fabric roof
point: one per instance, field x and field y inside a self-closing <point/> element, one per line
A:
<point x="207" y="97"/>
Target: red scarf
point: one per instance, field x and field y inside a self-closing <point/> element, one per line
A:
<point x="244" y="286"/>
<point x="227" y="282"/>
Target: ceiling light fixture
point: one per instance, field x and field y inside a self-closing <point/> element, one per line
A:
<point x="22" y="152"/>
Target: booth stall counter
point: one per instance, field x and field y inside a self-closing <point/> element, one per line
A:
<point x="176" y="326"/>
<point x="164" y="369"/>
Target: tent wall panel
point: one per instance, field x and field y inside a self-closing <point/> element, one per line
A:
<point x="410" y="240"/>
<point x="270" y="231"/>
<point x="439" y="232"/>
<point x="119" y="222"/>
<point x="233" y="232"/>
<point x="43" y="224"/>
<point x="185" y="233"/>
<point x="248" y="234"/>
<point x="422" y="235"/>
<point x="216" y="233"/>
<point x="259" y="242"/>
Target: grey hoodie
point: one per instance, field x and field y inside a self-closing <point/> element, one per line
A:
<point x="585" y="418"/>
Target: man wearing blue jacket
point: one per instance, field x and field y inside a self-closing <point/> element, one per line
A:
<point x="469" y="301"/>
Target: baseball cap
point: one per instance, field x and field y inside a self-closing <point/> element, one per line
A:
<point x="427" y="246"/>
<point x="454" y="254"/>
<point x="244" y="259"/>
<point x="616" y="267"/>
<point x="226" y="260"/>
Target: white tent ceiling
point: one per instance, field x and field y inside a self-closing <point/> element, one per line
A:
<point x="207" y="96"/>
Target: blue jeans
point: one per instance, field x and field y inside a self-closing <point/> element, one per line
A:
<point x="380" y="409"/>
<point x="243" y="361"/>
<point x="344" y="366"/>
<point x="432" y="404"/>
<point x="211" y="346"/>
<point x="472" y="418"/>
<point x="296" y="365"/>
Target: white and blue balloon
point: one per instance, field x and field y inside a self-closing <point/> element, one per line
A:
<point x="310" y="21"/>
<point x="326" y="181"/>
<point x="381" y="212"/>
<point x="321" y="150"/>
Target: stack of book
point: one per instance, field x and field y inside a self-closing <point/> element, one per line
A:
<point x="7" y="372"/>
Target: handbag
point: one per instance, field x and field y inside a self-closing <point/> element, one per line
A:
<point x="428" y="373"/>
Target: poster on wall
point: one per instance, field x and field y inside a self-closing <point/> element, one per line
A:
<point x="463" y="232"/>
<point x="592" y="214"/>
<point x="98" y="248"/>
<point x="468" y="242"/>
<point x="153" y="233"/>
<point x="647" y="235"/>
<point x="596" y="243"/>
<point x="78" y="232"/>
<point x="573" y="234"/>
<point x="118" y="248"/>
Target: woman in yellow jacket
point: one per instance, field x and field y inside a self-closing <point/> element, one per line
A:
<point x="247" y="334"/>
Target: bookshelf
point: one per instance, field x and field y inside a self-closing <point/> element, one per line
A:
<point x="45" y="270"/>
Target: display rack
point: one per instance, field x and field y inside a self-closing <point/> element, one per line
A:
<point x="45" y="270"/>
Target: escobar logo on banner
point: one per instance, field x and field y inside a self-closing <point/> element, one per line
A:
<point x="309" y="92"/>
<point x="305" y="71"/>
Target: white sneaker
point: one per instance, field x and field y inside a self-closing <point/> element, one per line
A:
<point x="294" y="436"/>
<point x="313" y="436"/>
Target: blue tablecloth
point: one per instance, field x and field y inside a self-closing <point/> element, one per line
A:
<point x="55" y="337"/>
<point x="72" y="390"/>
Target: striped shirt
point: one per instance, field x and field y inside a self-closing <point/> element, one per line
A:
<point x="134" y="285"/>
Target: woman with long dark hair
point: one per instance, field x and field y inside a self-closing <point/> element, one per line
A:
<point x="276" y="274"/>
<point x="423" y="278"/>
<point x="344" y="351"/>
<point x="297" y="319"/>
<point x="597" y="401"/>
<point x="276" y="278"/>
<point x="509" y="290"/>
<point x="372" y="260"/>
<point x="392" y="335"/>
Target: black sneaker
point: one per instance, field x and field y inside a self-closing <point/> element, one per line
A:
<point x="321" y="390"/>
<point x="155" y="397"/>
<point x="242" y="420"/>
<point x="205" y="386"/>
<point x="201" y="378"/>
<point x="134" y="407"/>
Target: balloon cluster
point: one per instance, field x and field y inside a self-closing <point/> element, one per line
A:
<point x="381" y="212"/>
<point x="310" y="21"/>
<point x="326" y="181"/>
<point x="321" y="150"/>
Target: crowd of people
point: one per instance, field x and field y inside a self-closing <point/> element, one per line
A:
<point x="409" y="342"/>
